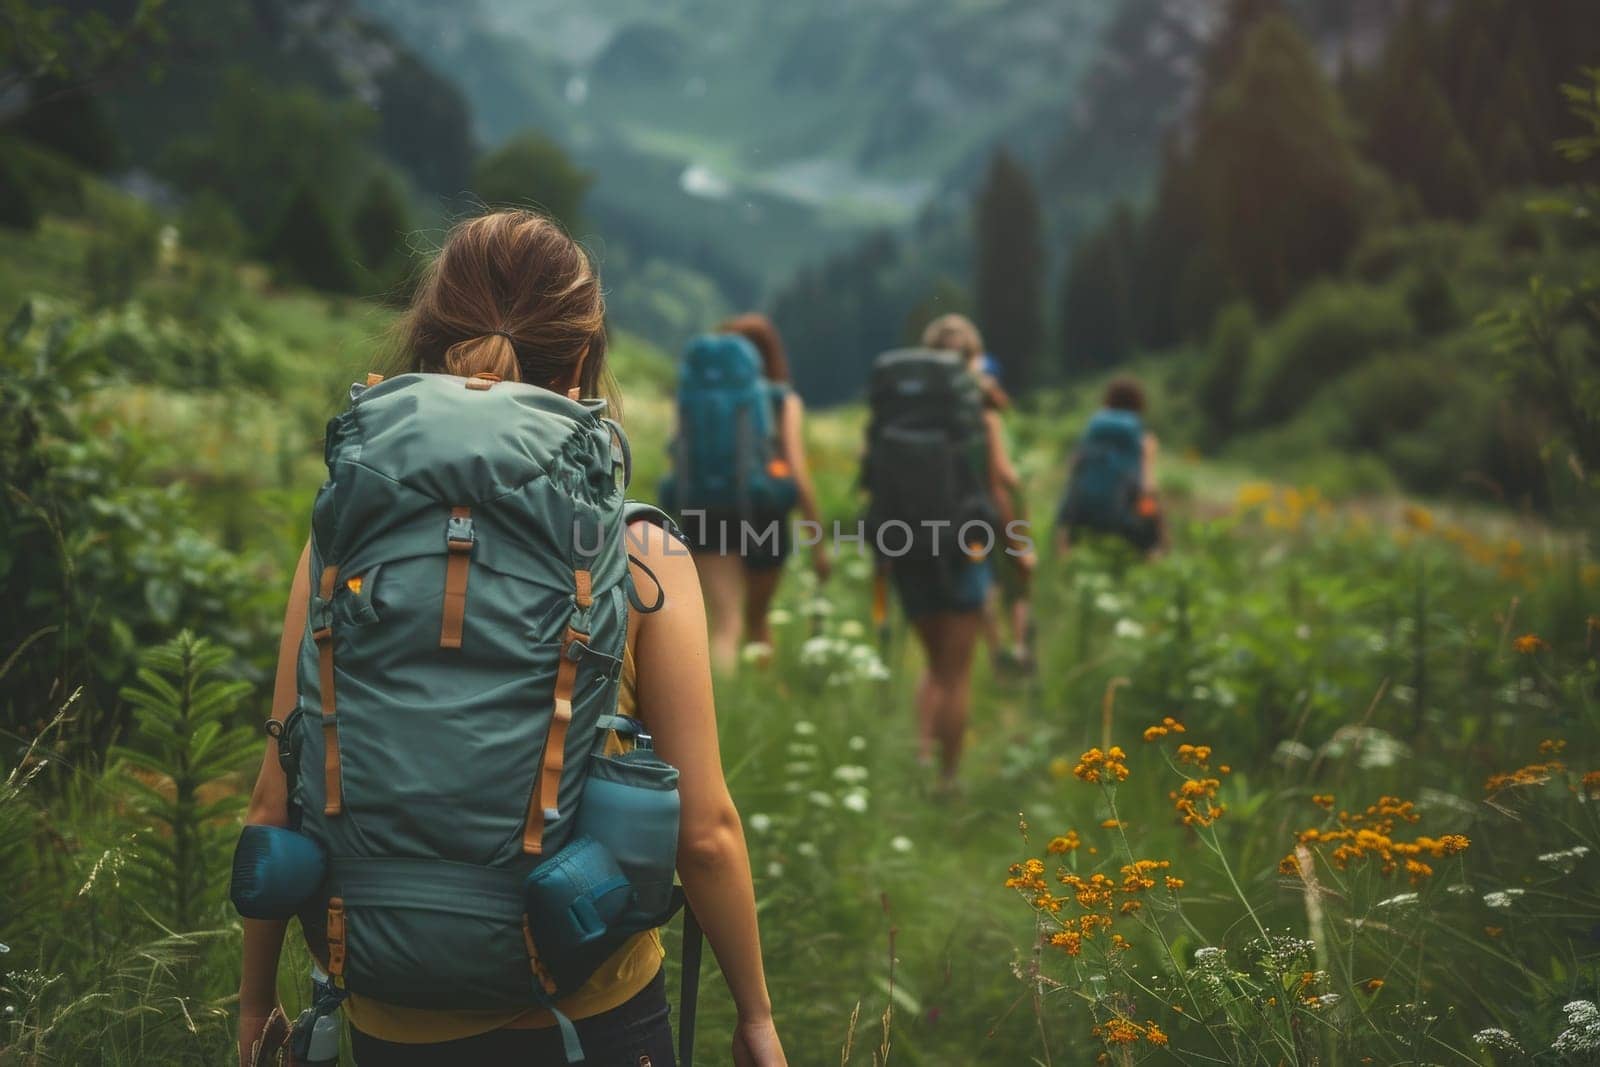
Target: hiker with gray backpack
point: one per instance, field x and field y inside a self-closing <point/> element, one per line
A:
<point x="1111" y="488"/>
<point x="494" y="739"/>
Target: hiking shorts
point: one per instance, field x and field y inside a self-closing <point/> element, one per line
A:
<point x="763" y="542"/>
<point x="943" y="584"/>
<point x="634" y="1033"/>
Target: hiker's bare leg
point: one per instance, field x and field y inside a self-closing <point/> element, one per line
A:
<point x="929" y="695"/>
<point x="760" y="586"/>
<point x="952" y="672"/>
<point x="722" y="580"/>
<point x="990" y="625"/>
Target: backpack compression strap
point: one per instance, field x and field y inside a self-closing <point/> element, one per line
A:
<point x="322" y="620"/>
<point x="459" y="537"/>
<point x="544" y="804"/>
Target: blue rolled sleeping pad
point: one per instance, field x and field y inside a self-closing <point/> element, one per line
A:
<point x="275" y="871"/>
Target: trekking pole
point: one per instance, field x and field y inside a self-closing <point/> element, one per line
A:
<point x="692" y="941"/>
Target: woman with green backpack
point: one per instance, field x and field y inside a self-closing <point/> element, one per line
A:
<point x="401" y="754"/>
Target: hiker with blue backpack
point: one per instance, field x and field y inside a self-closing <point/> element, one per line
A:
<point x="937" y="474"/>
<point x="739" y="469"/>
<point x="1111" y="489"/>
<point x="494" y="737"/>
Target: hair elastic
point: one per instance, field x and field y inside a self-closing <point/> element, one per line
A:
<point x="502" y="333"/>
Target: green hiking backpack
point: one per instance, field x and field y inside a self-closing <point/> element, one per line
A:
<point x="927" y="460"/>
<point x="468" y="616"/>
<point x="726" y="456"/>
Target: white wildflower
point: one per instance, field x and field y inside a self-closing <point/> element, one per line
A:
<point x="851" y="774"/>
<point x="852" y="630"/>
<point x="1565" y="860"/>
<point x="1495" y="1039"/>
<point x="855" y="800"/>
<point x="802" y="749"/>
<point x="755" y="652"/>
<point x="806" y="849"/>
<point x="1402" y="900"/>
<point x="780" y="617"/>
<point x="1109" y="603"/>
<point x="1129" y="630"/>
<point x="1328" y="1000"/>
<point x="820" y="799"/>
<point x="817" y="650"/>
<point x="774" y="869"/>
<point x="804" y="728"/>
<point x="900" y="843"/>
<point x="1502" y="899"/>
<point x="760" y="822"/>
<point x="1581" y="1038"/>
<point x="818" y="607"/>
<point x="858" y="743"/>
<point x="1289" y="752"/>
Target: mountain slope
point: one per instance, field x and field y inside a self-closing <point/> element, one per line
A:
<point x="781" y="129"/>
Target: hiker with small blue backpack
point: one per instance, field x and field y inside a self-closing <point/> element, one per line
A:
<point x="739" y="469"/>
<point x="1111" y="488"/>
<point x="494" y="739"/>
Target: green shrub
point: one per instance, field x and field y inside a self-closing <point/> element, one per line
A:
<point x="18" y="211"/>
<point x="122" y="252"/>
<point x="310" y="246"/>
<point x="1331" y="329"/>
<point x="1228" y="360"/>
<point x="209" y="224"/>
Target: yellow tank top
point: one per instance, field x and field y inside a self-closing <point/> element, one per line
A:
<point x="617" y="981"/>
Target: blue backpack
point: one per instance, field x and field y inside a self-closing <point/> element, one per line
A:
<point x="1107" y="475"/>
<point x="726" y="455"/>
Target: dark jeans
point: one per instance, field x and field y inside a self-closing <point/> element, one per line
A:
<point x="635" y="1034"/>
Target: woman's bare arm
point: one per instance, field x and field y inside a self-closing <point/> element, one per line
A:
<point x="675" y="700"/>
<point x="269" y="806"/>
<point x="794" y="451"/>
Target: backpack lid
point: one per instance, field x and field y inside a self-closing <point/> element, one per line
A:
<point x="1115" y="427"/>
<point x="720" y="360"/>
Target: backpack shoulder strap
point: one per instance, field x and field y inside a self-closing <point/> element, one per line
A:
<point x="638" y="511"/>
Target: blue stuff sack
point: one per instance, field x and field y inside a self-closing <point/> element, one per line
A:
<point x="576" y="901"/>
<point x="275" y="871"/>
<point x="630" y="805"/>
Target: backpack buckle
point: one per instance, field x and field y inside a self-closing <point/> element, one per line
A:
<point x="458" y="533"/>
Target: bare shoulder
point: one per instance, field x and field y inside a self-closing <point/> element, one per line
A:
<point x="664" y="554"/>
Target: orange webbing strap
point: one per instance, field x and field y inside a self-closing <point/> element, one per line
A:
<point x="336" y="939"/>
<point x="332" y="804"/>
<point x="455" y="582"/>
<point x="373" y="379"/>
<point x="540" y="975"/>
<point x="584" y="590"/>
<point x="880" y="596"/>
<point x="545" y="802"/>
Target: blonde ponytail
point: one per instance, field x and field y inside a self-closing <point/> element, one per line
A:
<point x="492" y="353"/>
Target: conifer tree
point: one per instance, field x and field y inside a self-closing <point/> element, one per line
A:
<point x="379" y="225"/>
<point x="1010" y="268"/>
<point x="1097" y="328"/>
<point x="1276" y="169"/>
